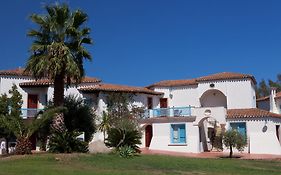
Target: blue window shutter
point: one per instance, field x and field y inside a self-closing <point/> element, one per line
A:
<point x="240" y="127"/>
<point x="182" y="133"/>
<point x="171" y="134"/>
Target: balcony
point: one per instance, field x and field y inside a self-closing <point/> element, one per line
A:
<point x="168" y="112"/>
<point x="30" y="112"/>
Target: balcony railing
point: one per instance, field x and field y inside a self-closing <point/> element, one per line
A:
<point x="168" y="112"/>
<point x="30" y="112"/>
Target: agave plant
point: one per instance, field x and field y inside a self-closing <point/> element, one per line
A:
<point x="125" y="134"/>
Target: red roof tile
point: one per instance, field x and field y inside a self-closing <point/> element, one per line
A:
<point x="213" y="77"/>
<point x="118" y="88"/>
<point x="14" y="72"/>
<point x="169" y="83"/>
<point x="226" y="76"/>
<point x="250" y="113"/>
<point x="47" y="82"/>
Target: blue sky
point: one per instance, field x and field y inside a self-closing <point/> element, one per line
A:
<point x="142" y="42"/>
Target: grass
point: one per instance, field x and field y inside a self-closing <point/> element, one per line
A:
<point x="86" y="164"/>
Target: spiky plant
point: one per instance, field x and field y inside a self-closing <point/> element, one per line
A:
<point x="24" y="130"/>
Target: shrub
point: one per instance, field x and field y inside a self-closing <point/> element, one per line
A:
<point x="126" y="151"/>
<point x="217" y="142"/>
<point x="125" y="134"/>
<point x="233" y="139"/>
<point x="77" y="117"/>
<point x="66" y="142"/>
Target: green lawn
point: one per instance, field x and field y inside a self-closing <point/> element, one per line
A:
<point x="49" y="164"/>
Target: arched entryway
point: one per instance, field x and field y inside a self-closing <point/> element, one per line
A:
<point x="148" y="135"/>
<point x="209" y="132"/>
<point x="213" y="98"/>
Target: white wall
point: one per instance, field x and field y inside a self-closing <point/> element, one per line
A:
<point x="239" y="93"/>
<point x="41" y="92"/>
<point x="6" y="83"/>
<point x="278" y="105"/>
<point x="180" y="96"/>
<point x="72" y="90"/>
<point x="261" y="141"/>
<point x="138" y="100"/>
<point x="213" y="98"/>
<point x="161" y="138"/>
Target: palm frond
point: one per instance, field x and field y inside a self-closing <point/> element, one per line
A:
<point x="44" y="119"/>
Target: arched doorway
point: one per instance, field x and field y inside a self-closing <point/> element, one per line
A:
<point x="210" y="132"/>
<point x="148" y="135"/>
<point x="213" y="98"/>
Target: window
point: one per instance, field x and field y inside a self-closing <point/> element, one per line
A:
<point x="240" y="127"/>
<point x="178" y="134"/>
<point x="149" y="103"/>
<point x="163" y="102"/>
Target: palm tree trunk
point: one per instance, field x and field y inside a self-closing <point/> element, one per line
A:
<point x="59" y="90"/>
<point x="231" y="151"/>
<point x="58" y="121"/>
<point x="23" y="146"/>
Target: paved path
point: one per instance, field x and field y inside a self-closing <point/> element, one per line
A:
<point x="213" y="155"/>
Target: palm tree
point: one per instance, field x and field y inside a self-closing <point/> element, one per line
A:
<point x="105" y="124"/>
<point x="58" y="51"/>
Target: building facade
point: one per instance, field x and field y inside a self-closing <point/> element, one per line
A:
<point x="181" y="115"/>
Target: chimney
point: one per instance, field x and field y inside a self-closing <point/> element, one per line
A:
<point x="272" y="103"/>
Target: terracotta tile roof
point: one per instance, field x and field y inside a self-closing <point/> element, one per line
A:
<point x="167" y="119"/>
<point x="47" y="82"/>
<point x="250" y="113"/>
<point x="213" y="77"/>
<point x="118" y="88"/>
<point x="169" y="83"/>
<point x="278" y="95"/>
<point x="14" y="72"/>
<point x="226" y="76"/>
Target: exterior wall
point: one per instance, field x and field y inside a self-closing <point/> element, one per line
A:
<point x="239" y="93"/>
<point x="138" y="100"/>
<point x="161" y="138"/>
<point x="213" y="98"/>
<point x="261" y="135"/>
<point x="180" y="96"/>
<point x="278" y="105"/>
<point x="7" y="83"/>
<point x="72" y="90"/>
<point x="217" y="113"/>
<point x="41" y="92"/>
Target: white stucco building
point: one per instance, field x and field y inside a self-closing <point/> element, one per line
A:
<point x="190" y="112"/>
<point x="182" y="115"/>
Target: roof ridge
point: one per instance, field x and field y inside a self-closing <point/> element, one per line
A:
<point x="211" y="77"/>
